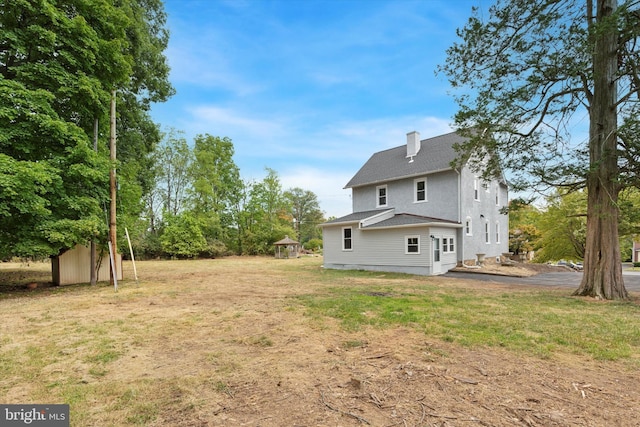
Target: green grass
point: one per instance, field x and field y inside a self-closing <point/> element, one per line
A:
<point x="120" y="358"/>
<point x="538" y="323"/>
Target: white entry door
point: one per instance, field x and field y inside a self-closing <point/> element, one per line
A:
<point x="436" y="265"/>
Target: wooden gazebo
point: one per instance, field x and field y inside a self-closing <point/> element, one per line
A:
<point x="287" y="248"/>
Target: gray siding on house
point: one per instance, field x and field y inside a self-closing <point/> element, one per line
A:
<point x="442" y="196"/>
<point x="379" y="233"/>
<point x="449" y="259"/>
<point x="483" y="212"/>
<point x="385" y="249"/>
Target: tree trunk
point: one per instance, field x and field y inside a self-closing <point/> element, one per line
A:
<point x="602" y="277"/>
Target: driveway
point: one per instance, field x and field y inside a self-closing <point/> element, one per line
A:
<point x="563" y="279"/>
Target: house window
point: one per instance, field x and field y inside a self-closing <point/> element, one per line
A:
<point x="347" y="239"/>
<point x="497" y="232"/>
<point x="467" y="227"/>
<point x="476" y="190"/>
<point x="448" y="245"/>
<point x="420" y="186"/>
<point x="381" y="193"/>
<point x="487" y="237"/>
<point x="413" y="244"/>
<point x="497" y="195"/>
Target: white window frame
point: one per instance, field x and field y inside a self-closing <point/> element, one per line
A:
<point x="468" y="227"/>
<point x="416" y="245"/>
<point x="487" y="233"/>
<point x="386" y="196"/>
<point x="344" y="238"/>
<point x="476" y="190"/>
<point x="497" y="232"/>
<point x="415" y="190"/>
<point x="497" y="195"/>
<point x="448" y="245"/>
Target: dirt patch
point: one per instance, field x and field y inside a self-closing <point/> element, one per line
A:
<point x="221" y="343"/>
<point x="512" y="268"/>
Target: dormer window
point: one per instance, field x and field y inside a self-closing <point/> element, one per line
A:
<point x="381" y="194"/>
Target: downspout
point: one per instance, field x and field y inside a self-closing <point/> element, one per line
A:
<point x="462" y="230"/>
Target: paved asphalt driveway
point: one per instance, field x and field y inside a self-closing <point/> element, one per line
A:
<point x="567" y="279"/>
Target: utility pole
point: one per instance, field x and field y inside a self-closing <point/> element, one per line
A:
<point x="112" y="186"/>
<point x="93" y="274"/>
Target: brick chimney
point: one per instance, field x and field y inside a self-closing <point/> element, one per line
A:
<point x="413" y="143"/>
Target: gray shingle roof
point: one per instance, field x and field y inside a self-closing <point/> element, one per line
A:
<point x="435" y="154"/>
<point x="356" y="216"/>
<point x="397" y="220"/>
<point x="409" y="219"/>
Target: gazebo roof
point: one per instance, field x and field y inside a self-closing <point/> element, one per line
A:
<point x="286" y="241"/>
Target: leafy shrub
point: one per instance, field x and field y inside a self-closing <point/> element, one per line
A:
<point x="215" y="249"/>
<point x="183" y="237"/>
<point x="313" y="245"/>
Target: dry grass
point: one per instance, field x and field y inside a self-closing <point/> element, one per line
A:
<point x="228" y="342"/>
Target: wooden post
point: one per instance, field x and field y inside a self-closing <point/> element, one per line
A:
<point x="112" y="185"/>
<point x="93" y="273"/>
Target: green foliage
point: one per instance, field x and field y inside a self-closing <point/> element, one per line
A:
<point x="563" y="227"/>
<point x="203" y="184"/>
<point x="558" y="231"/>
<point x="182" y="236"/>
<point x="523" y="231"/>
<point x="216" y="178"/>
<point x="522" y="76"/>
<point x="215" y="249"/>
<point x="60" y="63"/>
<point x="266" y="218"/>
<point x="306" y="213"/>
<point x="313" y="245"/>
<point x="528" y="67"/>
<point x="173" y="161"/>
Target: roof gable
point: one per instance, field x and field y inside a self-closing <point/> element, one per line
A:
<point x="436" y="154"/>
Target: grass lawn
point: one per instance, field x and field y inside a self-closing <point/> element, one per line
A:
<point x="259" y="341"/>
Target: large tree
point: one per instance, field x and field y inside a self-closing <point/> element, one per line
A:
<point x="216" y="184"/>
<point x="267" y="217"/>
<point x="306" y="213"/>
<point x="59" y="62"/>
<point x="526" y="77"/>
<point x="172" y="167"/>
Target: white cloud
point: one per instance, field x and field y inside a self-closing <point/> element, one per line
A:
<point x="327" y="185"/>
<point x="215" y="118"/>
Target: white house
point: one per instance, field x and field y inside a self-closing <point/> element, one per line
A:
<point x="414" y="213"/>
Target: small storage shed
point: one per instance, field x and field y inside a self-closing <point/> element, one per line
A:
<point x="287" y="248"/>
<point x="74" y="266"/>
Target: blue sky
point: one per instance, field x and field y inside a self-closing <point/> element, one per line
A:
<point x="310" y="88"/>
